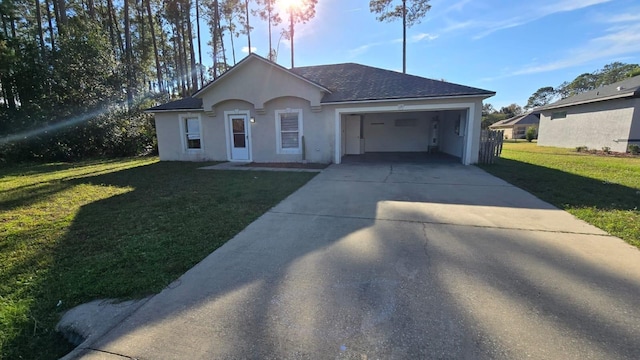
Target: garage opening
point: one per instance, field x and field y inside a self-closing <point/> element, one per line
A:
<point x="404" y="136"/>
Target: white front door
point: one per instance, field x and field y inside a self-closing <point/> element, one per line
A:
<point x="352" y="135"/>
<point x="239" y="137"/>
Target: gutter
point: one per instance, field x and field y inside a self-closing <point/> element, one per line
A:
<point x="484" y="96"/>
<point x="610" y="97"/>
<point x="149" y="111"/>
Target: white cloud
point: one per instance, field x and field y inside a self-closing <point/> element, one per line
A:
<point x="616" y="43"/>
<point x="519" y="14"/>
<point x="245" y="49"/>
<point x="412" y="39"/>
<point x="569" y="5"/>
<point x="423" y="36"/>
<point x="622" y="18"/>
<point x="363" y="49"/>
<point x="458" y="6"/>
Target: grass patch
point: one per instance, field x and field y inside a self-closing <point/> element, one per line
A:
<point x="603" y="191"/>
<point x="126" y="228"/>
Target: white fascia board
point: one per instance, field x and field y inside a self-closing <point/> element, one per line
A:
<point x="406" y="99"/>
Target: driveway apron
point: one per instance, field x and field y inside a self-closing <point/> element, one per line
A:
<point x="399" y="261"/>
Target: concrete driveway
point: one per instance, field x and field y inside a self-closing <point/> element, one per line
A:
<point x="399" y="261"/>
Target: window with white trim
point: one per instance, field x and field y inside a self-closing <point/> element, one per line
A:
<point x="191" y="128"/>
<point x="289" y="131"/>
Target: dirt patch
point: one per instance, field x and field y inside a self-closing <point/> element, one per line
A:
<point x="288" y="165"/>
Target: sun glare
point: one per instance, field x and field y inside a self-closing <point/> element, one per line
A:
<point x="287" y="4"/>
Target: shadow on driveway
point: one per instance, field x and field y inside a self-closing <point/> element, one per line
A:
<point x="399" y="261"/>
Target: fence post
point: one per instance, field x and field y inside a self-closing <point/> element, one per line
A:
<point x="490" y="145"/>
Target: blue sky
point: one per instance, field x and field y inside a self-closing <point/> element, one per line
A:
<point x="511" y="47"/>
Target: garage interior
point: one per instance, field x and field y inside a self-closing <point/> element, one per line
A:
<point x="404" y="136"/>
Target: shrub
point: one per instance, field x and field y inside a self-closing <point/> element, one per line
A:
<point x="582" y="149"/>
<point x="531" y="133"/>
<point x="634" y="149"/>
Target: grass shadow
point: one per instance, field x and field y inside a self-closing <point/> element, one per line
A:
<point x="612" y="207"/>
<point x="129" y="233"/>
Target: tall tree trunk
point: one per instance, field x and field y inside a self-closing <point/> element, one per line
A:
<point x="114" y="23"/>
<point x="140" y="11"/>
<point x="50" y="21"/>
<point x="224" y="53"/>
<point x="248" y="25"/>
<point x="178" y="57"/>
<point x="270" y="56"/>
<point x="214" y="36"/>
<point x="192" y="55"/>
<point x="404" y="36"/>
<point x="167" y="85"/>
<point x="112" y="36"/>
<point x="92" y="9"/>
<point x="62" y="13"/>
<point x="40" y="34"/>
<point x="291" y="30"/>
<point x="155" y="46"/>
<point x="185" y="57"/>
<point x="128" y="57"/>
<point x="233" y="47"/>
<point x="7" y="81"/>
<point x="199" y="44"/>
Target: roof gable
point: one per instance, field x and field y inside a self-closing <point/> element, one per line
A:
<point x="529" y="118"/>
<point x="336" y="83"/>
<point x="189" y="103"/>
<point x="243" y="63"/>
<point x="355" y="82"/>
<point x="622" y="89"/>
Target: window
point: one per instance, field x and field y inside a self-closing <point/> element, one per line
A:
<point x="289" y="131"/>
<point x="191" y="130"/>
<point x="559" y="115"/>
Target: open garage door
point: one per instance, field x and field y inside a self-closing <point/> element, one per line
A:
<point x="427" y="132"/>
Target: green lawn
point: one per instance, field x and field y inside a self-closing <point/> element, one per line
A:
<point x="602" y="190"/>
<point x="71" y="233"/>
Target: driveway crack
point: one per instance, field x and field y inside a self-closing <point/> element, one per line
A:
<point x="389" y="174"/>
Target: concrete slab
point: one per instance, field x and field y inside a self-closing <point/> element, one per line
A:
<point x="244" y="166"/>
<point x="356" y="266"/>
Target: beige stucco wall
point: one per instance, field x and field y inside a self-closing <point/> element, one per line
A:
<point x="170" y="142"/>
<point x="258" y="82"/>
<point x="594" y="125"/>
<point x="316" y="130"/>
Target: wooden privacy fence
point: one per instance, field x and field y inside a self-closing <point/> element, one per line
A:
<point x="490" y="146"/>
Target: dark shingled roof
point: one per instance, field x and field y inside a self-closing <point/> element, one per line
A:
<point x="355" y="82"/>
<point x="626" y="88"/>
<point x="524" y="119"/>
<point x="182" y="104"/>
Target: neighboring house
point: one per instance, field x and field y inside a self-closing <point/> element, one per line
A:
<point x="259" y="111"/>
<point x="605" y="117"/>
<point x="516" y="127"/>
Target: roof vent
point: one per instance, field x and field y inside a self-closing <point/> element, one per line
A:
<point x="619" y="88"/>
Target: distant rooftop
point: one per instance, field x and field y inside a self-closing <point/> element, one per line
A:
<point x="523" y="119"/>
<point x="622" y="89"/>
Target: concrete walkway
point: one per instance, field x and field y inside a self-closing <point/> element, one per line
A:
<point x="398" y="262"/>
